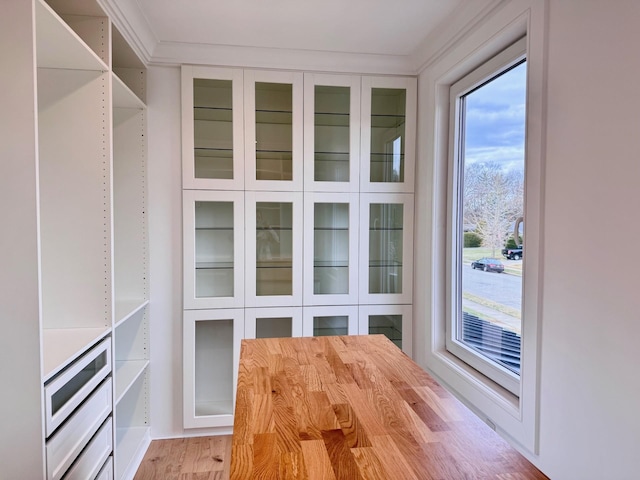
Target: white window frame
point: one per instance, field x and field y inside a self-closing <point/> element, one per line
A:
<point x="490" y="69"/>
<point x="516" y="418"/>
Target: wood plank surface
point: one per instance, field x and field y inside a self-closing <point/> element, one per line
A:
<point x="356" y="407"/>
<point x="197" y="458"/>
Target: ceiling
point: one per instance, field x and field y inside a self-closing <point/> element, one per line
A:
<point x="354" y="35"/>
<point x="351" y="26"/>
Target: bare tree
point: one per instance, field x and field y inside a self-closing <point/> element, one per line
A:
<point x="493" y="199"/>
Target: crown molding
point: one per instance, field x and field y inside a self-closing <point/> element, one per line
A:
<point x="462" y="21"/>
<point x="173" y="53"/>
<point x="133" y="26"/>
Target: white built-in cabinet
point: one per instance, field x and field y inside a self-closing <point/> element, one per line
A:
<point x="74" y="167"/>
<point x="297" y="216"/>
<point x="213" y="249"/>
<point x="273" y="130"/>
<point x="212" y="351"/>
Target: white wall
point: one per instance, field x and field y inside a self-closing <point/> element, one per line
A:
<point x="165" y="247"/>
<point x="589" y="424"/>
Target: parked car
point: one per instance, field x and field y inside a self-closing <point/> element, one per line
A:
<point x="488" y="265"/>
<point x="513" y="253"/>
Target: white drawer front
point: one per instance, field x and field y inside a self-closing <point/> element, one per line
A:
<point x="75" y="383"/>
<point x="107" y="471"/>
<point x="90" y="462"/>
<point x="67" y="443"/>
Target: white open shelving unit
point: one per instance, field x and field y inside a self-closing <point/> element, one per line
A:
<point x="88" y="132"/>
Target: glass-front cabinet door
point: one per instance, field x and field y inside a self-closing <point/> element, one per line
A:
<point x="211" y="354"/>
<point x="273" y="130"/>
<point x="329" y="321"/>
<point x="273" y="248"/>
<point x="393" y="321"/>
<point x="273" y="322"/>
<point x="386" y="248"/>
<point x="212" y="125"/>
<point x="213" y="249"/>
<point x="388" y="134"/>
<point x="331" y="132"/>
<point x="331" y="242"/>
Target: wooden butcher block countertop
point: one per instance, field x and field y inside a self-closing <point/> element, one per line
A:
<point x="356" y="407"/>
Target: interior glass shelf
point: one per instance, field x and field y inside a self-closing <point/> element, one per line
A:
<point x="214" y="237"/>
<point x="274" y="248"/>
<point x="274" y="165"/>
<point x="385" y="247"/>
<point x="331" y="119"/>
<point x="213" y="128"/>
<point x="277" y="117"/>
<point x="388" y="112"/>
<point x="330" y="325"/>
<point x="274" y="327"/>
<point x="274" y="131"/>
<point x="387" y="325"/>
<point x="212" y="114"/>
<point x="331" y="133"/>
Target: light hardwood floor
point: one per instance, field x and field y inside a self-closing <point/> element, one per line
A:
<point x="199" y="458"/>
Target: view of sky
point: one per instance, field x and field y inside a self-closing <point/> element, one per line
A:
<point x="495" y="120"/>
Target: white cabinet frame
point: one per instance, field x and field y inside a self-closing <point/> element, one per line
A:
<point x="350" y="311"/>
<point x="251" y="297"/>
<point x="406" y="296"/>
<point x="253" y="315"/>
<point x="251" y="77"/>
<point x="310" y="200"/>
<point x="189" y="180"/>
<point x="406" y="311"/>
<point x="190" y="197"/>
<point x="311" y="80"/>
<point x="410" y="84"/>
<point x="191" y="318"/>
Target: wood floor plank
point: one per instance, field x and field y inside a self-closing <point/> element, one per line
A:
<point x="187" y="459"/>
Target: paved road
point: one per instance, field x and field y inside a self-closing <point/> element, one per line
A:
<point x="501" y="288"/>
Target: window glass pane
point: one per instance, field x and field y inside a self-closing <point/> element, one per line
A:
<point x="213" y="128"/>
<point x="388" y="325"/>
<point x="331" y="134"/>
<point x="385" y="247"/>
<point x="214" y="386"/>
<point x="274" y="131"/>
<point x="332" y="325"/>
<point x="388" y="116"/>
<point x="214" y="249"/>
<point x="273" y="327"/>
<point x="331" y="248"/>
<point x="491" y="181"/>
<point x="274" y="248"/>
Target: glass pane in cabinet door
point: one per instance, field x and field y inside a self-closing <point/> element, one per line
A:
<point x="274" y="248"/>
<point x="331" y="248"/>
<point x="273" y="327"/>
<point x="214" y="367"/>
<point x="385" y="248"/>
<point x="331" y="134"/>
<point x="333" y="325"/>
<point x="387" y="325"/>
<point x="274" y="131"/>
<point x="213" y="128"/>
<point x="388" y="113"/>
<point x="214" y="249"/>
